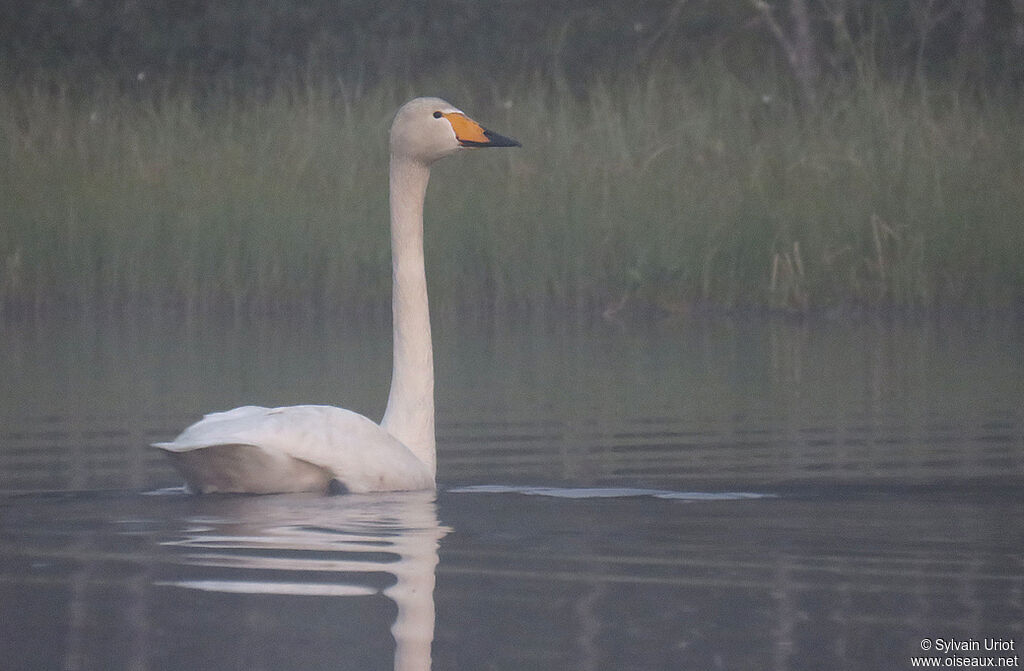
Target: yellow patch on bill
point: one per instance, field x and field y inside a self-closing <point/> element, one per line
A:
<point x="466" y="130"/>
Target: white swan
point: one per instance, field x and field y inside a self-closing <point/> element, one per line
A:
<point x="314" y="447"/>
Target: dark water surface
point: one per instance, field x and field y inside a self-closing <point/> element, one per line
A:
<point x="733" y="494"/>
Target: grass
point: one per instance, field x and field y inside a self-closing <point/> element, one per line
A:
<point x="660" y="192"/>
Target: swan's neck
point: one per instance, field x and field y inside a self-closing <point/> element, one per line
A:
<point x="410" y="413"/>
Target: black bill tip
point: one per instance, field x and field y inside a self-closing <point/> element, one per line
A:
<point x="493" y="140"/>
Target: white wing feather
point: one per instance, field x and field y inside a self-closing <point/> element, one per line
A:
<point x="352" y="448"/>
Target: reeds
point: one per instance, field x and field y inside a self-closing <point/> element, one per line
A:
<point x="661" y="191"/>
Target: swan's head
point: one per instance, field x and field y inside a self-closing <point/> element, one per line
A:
<point x="428" y="129"/>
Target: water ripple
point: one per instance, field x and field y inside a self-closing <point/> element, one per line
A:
<point x="608" y="493"/>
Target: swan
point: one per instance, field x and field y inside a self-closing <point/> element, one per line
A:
<point x="302" y="448"/>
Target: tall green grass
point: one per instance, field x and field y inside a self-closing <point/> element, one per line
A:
<point x="659" y="191"/>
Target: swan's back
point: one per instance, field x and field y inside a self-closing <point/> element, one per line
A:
<point x="299" y="448"/>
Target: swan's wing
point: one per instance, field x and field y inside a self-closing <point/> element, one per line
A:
<point x="354" y="449"/>
<point x="218" y="428"/>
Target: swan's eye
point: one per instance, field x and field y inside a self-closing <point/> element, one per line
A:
<point x="437" y="115"/>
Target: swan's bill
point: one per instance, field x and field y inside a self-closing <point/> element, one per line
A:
<point x="471" y="134"/>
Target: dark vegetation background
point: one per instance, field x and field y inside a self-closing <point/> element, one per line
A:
<point x="977" y="42"/>
<point x="794" y="155"/>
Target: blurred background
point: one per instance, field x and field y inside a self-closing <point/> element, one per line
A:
<point x="360" y="43"/>
<point x="797" y="155"/>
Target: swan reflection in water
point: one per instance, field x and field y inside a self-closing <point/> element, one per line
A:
<point x="350" y="536"/>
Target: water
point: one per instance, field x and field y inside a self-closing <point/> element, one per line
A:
<point x="727" y="494"/>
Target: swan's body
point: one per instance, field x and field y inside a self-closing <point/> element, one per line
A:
<point x="309" y="447"/>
